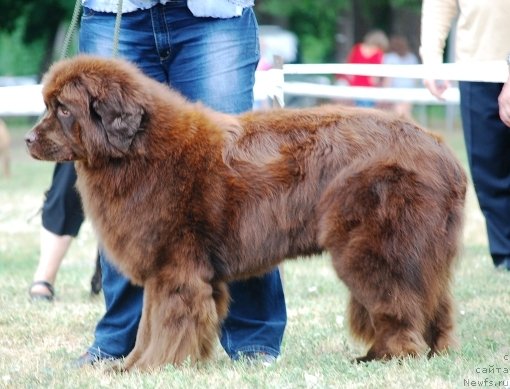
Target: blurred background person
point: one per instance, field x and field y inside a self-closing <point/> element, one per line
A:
<point x="400" y="54"/>
<point x="481" y="35"/>
<point x="370" y="51"/>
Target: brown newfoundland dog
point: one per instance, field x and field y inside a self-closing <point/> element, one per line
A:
<point x="186" y="199"/>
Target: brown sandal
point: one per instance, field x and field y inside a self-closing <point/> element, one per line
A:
<point x="41" y="296"/>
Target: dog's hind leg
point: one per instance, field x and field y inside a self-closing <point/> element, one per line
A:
<point x="180" y="320"/>
<point x="394" y="337"/>
<point x="387" y="315"/>
<point x="439" y="333"/>
<point x="383" y="235"/>
<point x="440" y="329"/>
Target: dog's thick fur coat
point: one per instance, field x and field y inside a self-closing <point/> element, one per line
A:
<point x="185" y="199"/>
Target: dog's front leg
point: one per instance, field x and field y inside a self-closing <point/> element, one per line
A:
<point x="179" y="321"/>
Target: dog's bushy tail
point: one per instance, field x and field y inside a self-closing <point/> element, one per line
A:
<point x="393" y="232"/>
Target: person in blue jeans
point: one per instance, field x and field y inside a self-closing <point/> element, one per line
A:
<point x="211" y="59"/>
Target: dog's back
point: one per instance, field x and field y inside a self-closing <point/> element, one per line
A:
<point x="289" y="162"/>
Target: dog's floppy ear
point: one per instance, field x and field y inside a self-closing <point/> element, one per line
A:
<point x="121" y="117"/>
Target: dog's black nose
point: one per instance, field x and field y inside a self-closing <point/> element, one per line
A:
<point x="30" y="138"/>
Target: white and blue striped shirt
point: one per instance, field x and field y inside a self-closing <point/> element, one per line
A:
<point x="200" y="8"/>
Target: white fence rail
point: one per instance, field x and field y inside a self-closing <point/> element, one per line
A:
<point x="26" y="100"/>
<point x="23" y="100"/>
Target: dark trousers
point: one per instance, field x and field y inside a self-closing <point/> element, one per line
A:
<point x="488" y="148"/>
<point x="62" y="212"/>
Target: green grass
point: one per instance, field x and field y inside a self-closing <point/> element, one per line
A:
<point x="37" y="341"/>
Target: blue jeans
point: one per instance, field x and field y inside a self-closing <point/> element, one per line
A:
<point x="364" y="103"/>
<point x="206" y="59"/>
<point x="487" y="143"/>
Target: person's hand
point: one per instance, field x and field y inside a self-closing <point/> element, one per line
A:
<point x="436" y="87"/>
<point x="504" y="103"/>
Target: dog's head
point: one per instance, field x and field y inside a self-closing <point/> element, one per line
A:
<point x="94" y="110"/>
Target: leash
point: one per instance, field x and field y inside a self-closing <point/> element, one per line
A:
<point x="71" y="30"/>
<point x="116" y="32"/>
<point x="73" y="26"/>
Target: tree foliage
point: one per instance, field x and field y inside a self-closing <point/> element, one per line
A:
<point x="35" y="23"/>
<point x="414" y="4"/>
<point x="314" y="21"/>
<point x="42" y="17"/>
<point x="317" y="22"/>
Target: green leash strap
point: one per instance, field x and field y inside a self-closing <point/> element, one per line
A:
<point x="70" y="31"/>
<point x="116" y="32"/>
<point x="64" y="53"/>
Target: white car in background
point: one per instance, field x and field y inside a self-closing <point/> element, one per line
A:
<point x="274" y="40"/>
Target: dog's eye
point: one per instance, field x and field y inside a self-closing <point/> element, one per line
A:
<point x="62" y="110"/>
